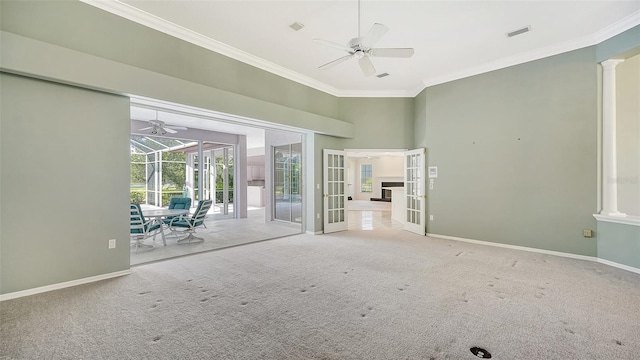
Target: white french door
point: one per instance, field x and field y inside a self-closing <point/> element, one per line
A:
<point x="415" y="194"/>
<point x="335" y="195"/>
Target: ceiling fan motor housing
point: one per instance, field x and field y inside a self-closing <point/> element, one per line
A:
<point x="355" y="42"/>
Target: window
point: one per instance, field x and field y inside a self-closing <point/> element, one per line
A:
<point x="366" y="178"/>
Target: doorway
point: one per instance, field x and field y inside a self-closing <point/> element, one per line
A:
<point x="287" y="180"/>
<point x="217" y="179"/>
<point x="224" y="162"/>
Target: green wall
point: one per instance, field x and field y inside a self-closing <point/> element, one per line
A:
<point x="515" y="150"/>
<point x="76" y="44"/>
<point x="619" y="243"/>
<point x="621" y="45"/>
<point x="64" y="160"/>
<point x="375" y="116"/>
<point x="89" y="30"/>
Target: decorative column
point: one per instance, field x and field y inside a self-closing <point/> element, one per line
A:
<point x="609" y="160"/>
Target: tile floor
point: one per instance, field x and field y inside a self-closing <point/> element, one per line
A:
<point x="220" y="233"/>
<point x="224" y="232"/>
<point x="371" y="215"/>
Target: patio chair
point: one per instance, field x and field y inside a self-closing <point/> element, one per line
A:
<point x="177" y="203"/>
<point x="141" y="229"/>
<point x="190" y="223"/>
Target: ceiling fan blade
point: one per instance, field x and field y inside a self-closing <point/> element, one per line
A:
<point x="169" y="130"/>
<point x="376" y="32"/>
<point x="147" y="128"/>
<point x="335" y="62"/>
<point x="367" y="66"/>
<point x="175" y="127"/>
<point x="392" y="52"/>
<point x="333" y="45"/>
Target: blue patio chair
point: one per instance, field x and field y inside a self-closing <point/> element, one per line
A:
<point x="141" y="229"/>
<point x="190" y="223"/>
<point x="177" y="203"/>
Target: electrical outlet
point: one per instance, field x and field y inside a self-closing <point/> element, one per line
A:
<point x="430" y="217"/>
<point x="587" y="233"/>
<point x="430" y="186"/>
<point x="112" y="244"/>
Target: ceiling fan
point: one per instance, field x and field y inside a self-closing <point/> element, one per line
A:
<point x="159" y="127"/>
<point x="362" y="48"/>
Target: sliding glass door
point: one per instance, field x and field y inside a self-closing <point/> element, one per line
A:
<point x="287" y="178"/>
<point x="217" y="177"/>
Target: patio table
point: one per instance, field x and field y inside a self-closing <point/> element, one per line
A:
<point x="158" y="214"/>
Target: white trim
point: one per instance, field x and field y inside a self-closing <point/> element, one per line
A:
<point x="144" y="18"/>
<point x="181" y="109"/>
<point x="311" y="232"/>
<point x="619" y="266"/>
<point x="154" y="22"/>
<point x="612" y="30"/>
<point x="372" y="93"/>
<point x="609" y="139"/>
<point x="515" y="247"/>
<point x="58" y="286"/>
<point x="618" y="27"/>
<point x="626" y="220"/>
<point x="541" y="251"/>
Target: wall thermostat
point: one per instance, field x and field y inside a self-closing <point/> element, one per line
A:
<point x="433" y="171"/>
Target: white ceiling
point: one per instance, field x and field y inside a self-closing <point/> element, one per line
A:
<point x="145" y="110"/>
<point x="452" y="39"/>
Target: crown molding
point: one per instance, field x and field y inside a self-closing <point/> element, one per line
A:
<point x="618" y="27"/>
<point x="154" y="22"/>
<point x="144" y="18"/>
<point x="512" y="60"/>
<point x="575" y="44"/>
<point x="374" y="93"/>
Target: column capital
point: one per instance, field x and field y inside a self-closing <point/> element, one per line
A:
<point x="611" y="63"/>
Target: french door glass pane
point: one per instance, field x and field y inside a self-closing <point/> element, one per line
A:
<point x="287" y="180"/>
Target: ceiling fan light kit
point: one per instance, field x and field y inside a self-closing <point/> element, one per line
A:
<point x="159" y="127"/>
<point x="362" y="49"/>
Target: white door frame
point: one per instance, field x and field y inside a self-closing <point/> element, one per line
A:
<point x="334" y="190"/>
<point x="415" y="191"/>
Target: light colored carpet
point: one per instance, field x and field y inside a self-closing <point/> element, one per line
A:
<point x="351" y="295"/>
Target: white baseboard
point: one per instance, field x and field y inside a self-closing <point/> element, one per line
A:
<point x="38" y="290"/>
<point x="309" y="232"/>
<point x="541" y="251"/>
<point x="515" y="247"/>
<point x="619" y="266"/>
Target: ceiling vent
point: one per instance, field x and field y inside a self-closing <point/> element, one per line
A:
<point x="519" y="31"/>
<point x="296" y="26"/>
<point x="382" y="75"/>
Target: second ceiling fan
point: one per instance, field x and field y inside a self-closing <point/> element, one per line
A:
<point x="158" y="127"/>
<point x="362" y="48"/>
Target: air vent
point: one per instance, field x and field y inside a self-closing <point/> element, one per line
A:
<point x="296" y="26"/>
<point x="519" y="31"/>
<point x="382" y="75"/>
